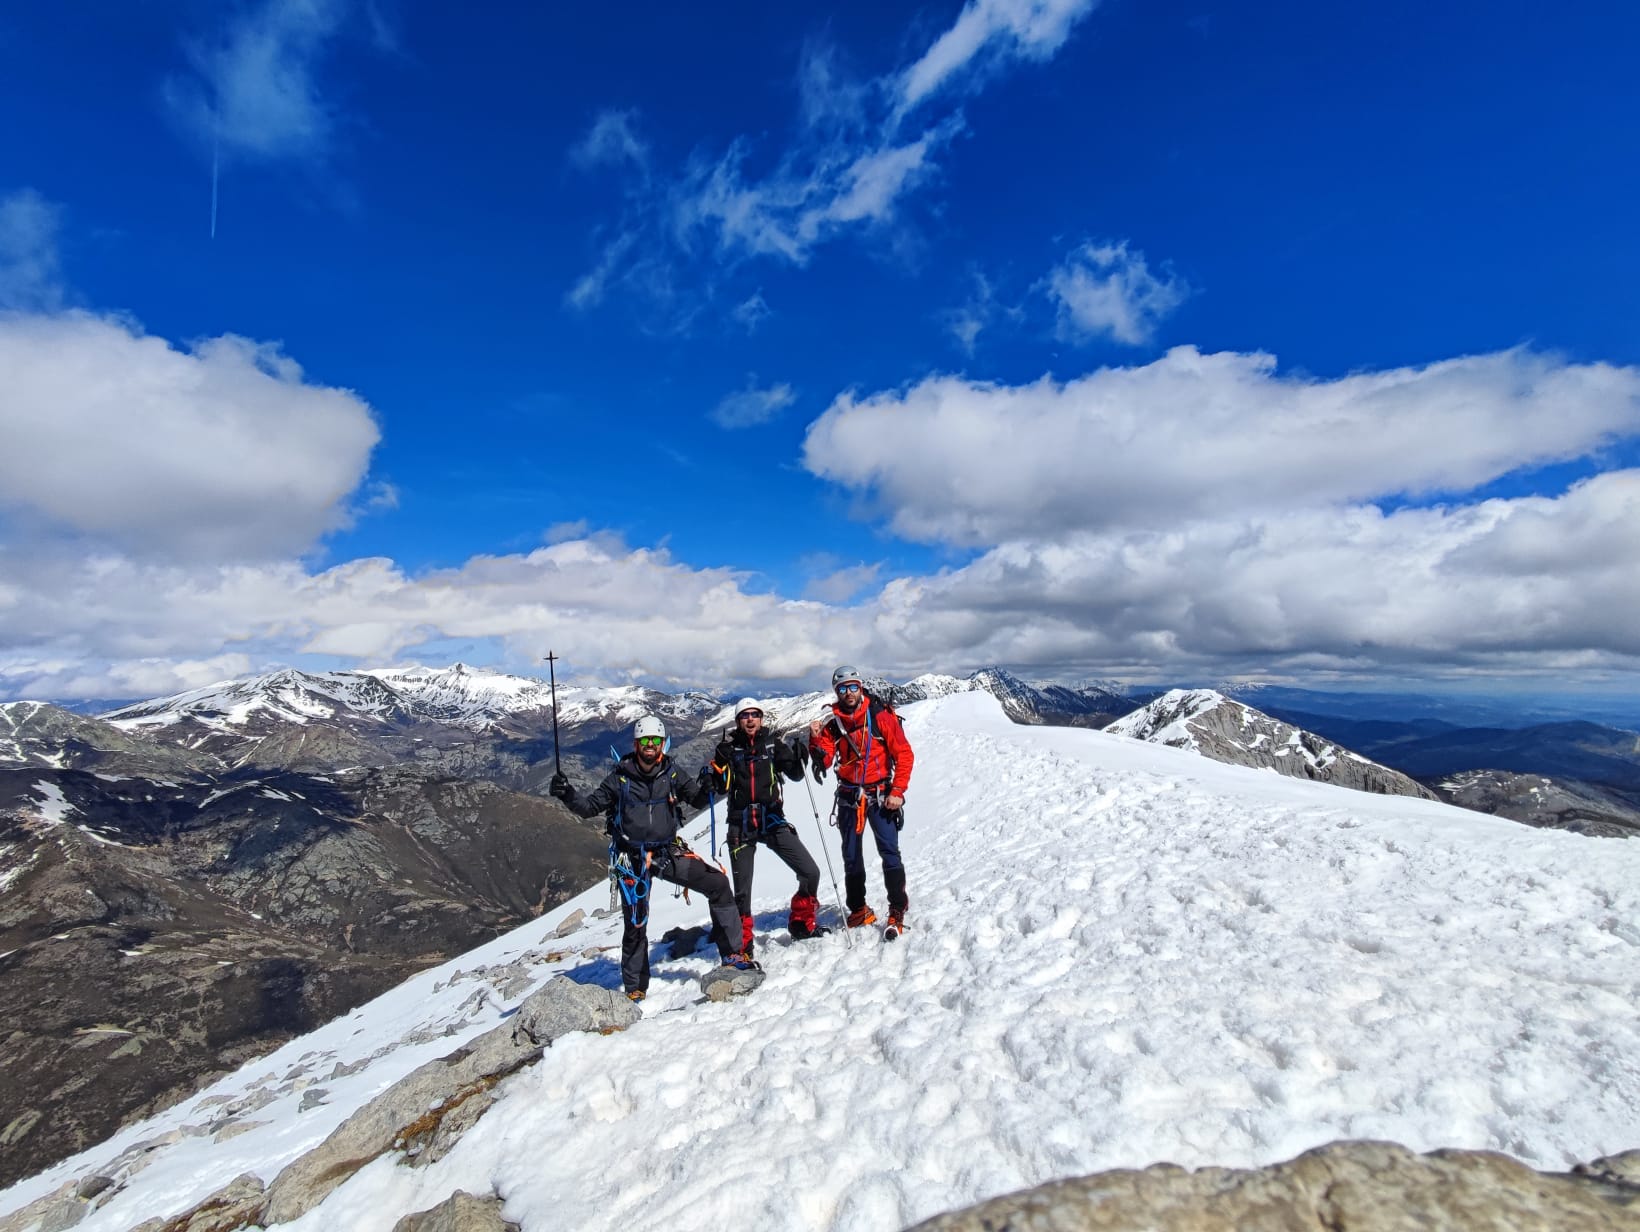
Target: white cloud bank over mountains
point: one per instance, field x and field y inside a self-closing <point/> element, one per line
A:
<point x="1199" y="514"/>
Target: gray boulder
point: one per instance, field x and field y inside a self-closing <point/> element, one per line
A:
<point x="721" y="983"/>
<point x="460" y="1212"/>
<point x="1353" y="1186"/>
<point x="409" y="1115"/>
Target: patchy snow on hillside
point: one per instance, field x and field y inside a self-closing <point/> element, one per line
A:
<point x="1120" y="953"/>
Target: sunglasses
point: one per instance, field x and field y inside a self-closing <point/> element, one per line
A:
<point x="847" y="688"/>
<point x="750" y="714"/>
<point x="651" y="742"/>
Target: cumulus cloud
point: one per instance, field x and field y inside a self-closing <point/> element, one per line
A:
<point x="1522" y="586"/>
<point x="1503" y="585"/>
<point x="1104" y="290"/>
<point x="30" y="277"/>
<point x="1194" y="436"/>
<point x="254" y="92"/>
<point x="752" y="406"/>
<point x="222" y="451"/>
<point x="855" y="158"/>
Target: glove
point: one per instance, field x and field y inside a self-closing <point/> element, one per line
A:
<point x="897" y="816"/>
<point x="703" y="781"/>
<point x="558" y="787"/>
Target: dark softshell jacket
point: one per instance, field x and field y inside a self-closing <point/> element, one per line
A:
<point x="748" y="772"/>
<point x="643" y="808"/>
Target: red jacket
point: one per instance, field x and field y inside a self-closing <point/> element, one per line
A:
<point x="869" y="744"/>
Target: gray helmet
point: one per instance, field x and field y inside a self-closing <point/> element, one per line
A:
<point x="745" y="704"/>
<point x="649" y="725"/>
<point x="844" y="675"/>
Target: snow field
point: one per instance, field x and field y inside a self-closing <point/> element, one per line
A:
<point x="1119" y="954"/>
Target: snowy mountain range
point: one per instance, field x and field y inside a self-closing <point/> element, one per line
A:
<point x="323" y="834"/>
<point x="1121" y="953"/>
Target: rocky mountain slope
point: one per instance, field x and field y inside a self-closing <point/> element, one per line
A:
<point x="154" y="931"/>
<point x="1229" y="731"/>
<point x="1538" y="801"/>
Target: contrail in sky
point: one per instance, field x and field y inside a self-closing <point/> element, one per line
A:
<point x="216" y="158"/>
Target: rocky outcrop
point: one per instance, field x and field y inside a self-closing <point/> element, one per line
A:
<point x="1213" y="725"/>
<point x="1343" y="1187"/>
<point x="1534" y="800"/>
<point x="460" y="1212"/>
<point x="415" y="1117"/>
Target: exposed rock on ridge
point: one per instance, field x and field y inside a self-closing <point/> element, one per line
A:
<point x="1342" y="1187"/>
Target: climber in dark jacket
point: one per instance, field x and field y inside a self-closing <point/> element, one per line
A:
<point x="746" y="771"/>
<point x="641" y="799"/>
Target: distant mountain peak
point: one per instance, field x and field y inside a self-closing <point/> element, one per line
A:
<point x="1205" y="721"/>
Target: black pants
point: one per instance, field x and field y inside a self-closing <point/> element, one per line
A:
<point x="692" y="873"/>
<point x="783" y="841"/>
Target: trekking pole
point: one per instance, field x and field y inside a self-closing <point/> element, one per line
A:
<point x="552" y="682"/>
<point x="848" y="942"/>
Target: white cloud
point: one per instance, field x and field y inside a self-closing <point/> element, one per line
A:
<point x="256" y="92"/>
<point x="841" y="585"/>
<point x="223" y="451"/>
<point x="1523" y="586"/>
<point x="1023" y="29"/>
<point x="30" y="277"/>
<point x="752" y="406"/>
<point x="1105" y="290"/>
<point x="1502" y="585"/>
<point x="1194" y="436"/>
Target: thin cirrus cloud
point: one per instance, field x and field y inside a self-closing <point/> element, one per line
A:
<point x="751" y="406"/>
<point x="254" y="91"/>
<point x="1107" y="290"/>
<point x="1196" y="435"/>
<point x="855" y="158"/>
<point x="30" y="270"/>
<point x="988" y="33"/>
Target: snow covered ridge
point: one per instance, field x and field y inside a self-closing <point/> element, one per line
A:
<point x="1207" y="722"/>
<point x="1120" y="953"/>
<point x="457" y="695"/>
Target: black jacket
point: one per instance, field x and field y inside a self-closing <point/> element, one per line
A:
<point x="643" y="808"/>
<point x="748" y="772"/>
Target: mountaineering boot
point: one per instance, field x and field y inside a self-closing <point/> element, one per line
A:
<point x="636" y="994"/>
<point x="896" y="923"/>
<point x="861" y="916"/>
<point x="741" y="962"/>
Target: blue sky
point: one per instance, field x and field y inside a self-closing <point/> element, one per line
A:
<point x="707" y="347"/>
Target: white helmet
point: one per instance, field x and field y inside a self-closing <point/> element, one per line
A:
<point x="649" y="725"/>
<point x="845" y="675"/>
<point x="745" y="704"/>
